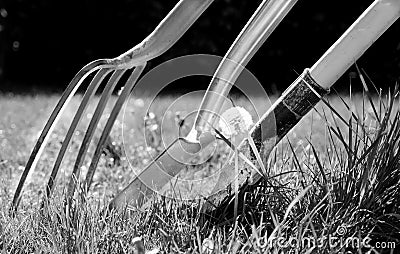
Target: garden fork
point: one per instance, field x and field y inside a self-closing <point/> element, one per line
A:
<point x="171" y="28"/>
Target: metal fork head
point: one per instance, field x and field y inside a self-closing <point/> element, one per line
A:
<point x="171" y="28"/>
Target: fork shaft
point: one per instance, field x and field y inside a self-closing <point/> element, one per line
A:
<point x="170" y="29"/>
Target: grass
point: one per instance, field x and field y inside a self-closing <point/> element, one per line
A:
<point x="336" y="176"/>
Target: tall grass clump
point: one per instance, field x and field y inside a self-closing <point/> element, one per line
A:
<point x="339" y="195"/>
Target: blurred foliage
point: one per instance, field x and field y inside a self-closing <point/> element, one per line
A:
<point x="43" y="43"/>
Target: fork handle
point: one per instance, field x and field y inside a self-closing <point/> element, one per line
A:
<point x="170" y="29"/>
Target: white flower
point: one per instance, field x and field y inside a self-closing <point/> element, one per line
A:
<point x="234" y="121"/>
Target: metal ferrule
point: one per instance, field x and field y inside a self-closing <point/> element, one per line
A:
<point x="298" y="99"/>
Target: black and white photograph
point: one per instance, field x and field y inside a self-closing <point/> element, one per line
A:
<point x="199" y="126"/>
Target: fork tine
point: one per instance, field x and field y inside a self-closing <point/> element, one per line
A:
<point x="110" y="122"/>
<point x="93" y="86"/>
<point x="54" y="117"/>
<point x="89" y="133"/>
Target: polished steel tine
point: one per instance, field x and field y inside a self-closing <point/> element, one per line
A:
<point x="110" y="123"/>
<point x="91" y="90"/>
<point x="89" y="135"/>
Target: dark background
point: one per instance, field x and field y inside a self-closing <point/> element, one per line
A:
<point x="43" y="43"/>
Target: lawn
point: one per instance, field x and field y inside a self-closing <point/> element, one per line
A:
<point x="324" y="183"/>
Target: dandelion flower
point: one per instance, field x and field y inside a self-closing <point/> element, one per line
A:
<point x="235" y="121"/>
